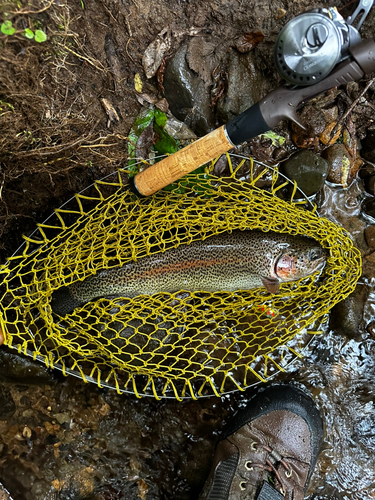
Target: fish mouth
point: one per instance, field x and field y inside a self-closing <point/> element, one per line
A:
<point x="320" y="262"/>
<point x="286" y="268"/>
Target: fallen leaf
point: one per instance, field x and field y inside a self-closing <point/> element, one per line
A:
<point x="162" y="105"/>
<point x="326" y="138"/>
<point x="160" y="75"/>
<point x="178" y="130"/>
<point x="202" y="58"/>
<point x="145" y="141"/>
<point x="155" y="52"/>
<point x="143" y="98"/>
<point x="218" y="89"/>
<point x="248" y="41"/>
<point x="345" y="171"/>
<point x="138" y="82"/>
<point x="112" y="114"/>
<point x="142" y="489"/>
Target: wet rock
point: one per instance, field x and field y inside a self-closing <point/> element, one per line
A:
<point x="7" y="405"/>
<point x="187" y="94"/>
<point x="368" y="209"/>
<point x="20" y="368"/>
<point x="320" y="118"/>
<point x="341" y="164"/>
<point x="368" y="147"/>
<point x="315" y="123"/>
<point x="347" y="315"/>
<point x="370" y="236"/>
<point x="343" y="207"/>
<point x="246" y="85"/>
<point x="370" y="184"/>
<point x="308" y="169"/>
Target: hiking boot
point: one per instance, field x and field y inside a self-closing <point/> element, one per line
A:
<point x="269" y="450"/>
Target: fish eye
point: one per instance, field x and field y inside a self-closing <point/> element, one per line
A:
<point x="314" y="254"/>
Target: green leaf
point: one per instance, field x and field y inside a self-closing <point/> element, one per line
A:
<point x="277" y="140"/>
<point x="166" y="143"/>
<point x="7" y="28"/>
<point x="142" y="121"/>
<point x="40" y="36"/>
<point x="29" y="33"/>
<point x="160" y="118"/>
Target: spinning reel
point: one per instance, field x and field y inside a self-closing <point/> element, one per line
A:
<point x="313" y="43"/>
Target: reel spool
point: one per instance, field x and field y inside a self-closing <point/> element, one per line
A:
<point x="313" y="43"/>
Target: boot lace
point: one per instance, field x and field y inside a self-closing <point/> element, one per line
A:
<point x="273" y="457"/>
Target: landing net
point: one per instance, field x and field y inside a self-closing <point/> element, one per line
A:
<point x="184" y="344"/>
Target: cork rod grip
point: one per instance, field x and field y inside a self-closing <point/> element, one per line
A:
<point x="182" y="162"/>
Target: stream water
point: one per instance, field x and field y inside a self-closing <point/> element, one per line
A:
<point x="63" y="439"/>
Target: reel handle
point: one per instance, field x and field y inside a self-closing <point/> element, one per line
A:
<point x="279" y="104"/>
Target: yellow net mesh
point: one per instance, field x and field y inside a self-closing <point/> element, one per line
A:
<point x="182" y="345"/>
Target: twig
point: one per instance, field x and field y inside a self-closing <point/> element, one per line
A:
<point x="98" y="145"/>
<point x="111" y="160"/>
<point x="2" y="186"/>
<point x="346" y="5"/>
<point x="128" y="26"/>
<point x="350" y="109"/>
<point x="48" y="150"/>
<point x="355" y="102"/>
<point x="126" y="48"/>
<point x="110" y="13"/>
<point x="7" y="60"/>
<point x="81" y="57"/>
<point x="33" y="11"/>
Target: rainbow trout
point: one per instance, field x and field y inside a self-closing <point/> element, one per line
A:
<point x="240" y="260"/>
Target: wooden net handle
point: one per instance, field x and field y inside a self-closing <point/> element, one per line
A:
<point x="182" y="162"/>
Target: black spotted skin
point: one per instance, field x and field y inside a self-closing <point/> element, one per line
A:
<point x="228" y="262"/>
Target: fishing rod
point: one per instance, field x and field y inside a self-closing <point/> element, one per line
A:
<point x="314" y="52"/>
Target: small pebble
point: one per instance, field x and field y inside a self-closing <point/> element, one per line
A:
<point x="370" y="184"/>
<point x="370" y="236"/>
<point x="368" y="208"/>
<point x="368" y="147"/>
<point x="280" y="13"/>
<point x="308" y="169"/>
<point x="26" y="433"/>
<point x="339" y="161"/>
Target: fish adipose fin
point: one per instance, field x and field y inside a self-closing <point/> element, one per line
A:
<point x="271" y="284"/>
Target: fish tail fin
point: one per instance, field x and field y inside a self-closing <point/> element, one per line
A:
<point x="62" y="302"/>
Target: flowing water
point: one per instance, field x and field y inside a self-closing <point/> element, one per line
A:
<point x="63" y="439"/>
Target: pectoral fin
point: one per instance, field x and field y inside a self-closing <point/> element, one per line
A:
<point x="271" y="284"/>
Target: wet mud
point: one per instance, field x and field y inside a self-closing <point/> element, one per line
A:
<point x="62" y="439"/>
